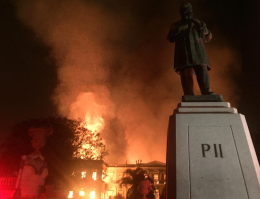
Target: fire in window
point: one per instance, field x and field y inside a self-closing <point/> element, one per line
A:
<point x="155" y="178"/>
<point x="94" y="175"/>
<point x="83" y="174"/>
<point x="70" y="194"/>
<point x="81" y="193"/>
<point x="92" y="194"/>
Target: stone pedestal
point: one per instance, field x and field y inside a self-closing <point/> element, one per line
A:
<point x="210" y="154"/>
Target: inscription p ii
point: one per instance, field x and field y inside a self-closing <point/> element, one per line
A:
<point x="217" y="150"/>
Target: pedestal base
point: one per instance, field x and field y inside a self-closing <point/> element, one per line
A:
<point x="210" y="154"/>
<point x="202" y="98"/>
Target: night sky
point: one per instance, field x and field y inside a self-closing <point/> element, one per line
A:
<point x="31" y="63"/>
<point x="27" y="71"/>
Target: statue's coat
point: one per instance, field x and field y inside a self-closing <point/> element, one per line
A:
<point x="189" y="47"/>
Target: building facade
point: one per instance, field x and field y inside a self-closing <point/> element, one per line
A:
<point x="94" y="179"/>
<point x="156" y="170"/>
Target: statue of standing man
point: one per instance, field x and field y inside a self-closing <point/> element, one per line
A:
<point x="190" y="55"/>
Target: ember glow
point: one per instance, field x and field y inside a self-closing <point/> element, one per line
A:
<point x="83" y="174"/>
<point x="95" y="153"/>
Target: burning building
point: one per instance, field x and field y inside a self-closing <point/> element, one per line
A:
<point x="156" y="171"/>
<point x="86" y="181"/>
<point x="96" y="179"/>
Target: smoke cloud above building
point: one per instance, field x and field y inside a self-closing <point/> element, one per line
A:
<point x="115" y="68"/>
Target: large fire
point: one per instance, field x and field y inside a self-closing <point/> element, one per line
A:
<point x="95" y="123"/>
<point x="95" y="55"/>
<point x="87" y="108"/>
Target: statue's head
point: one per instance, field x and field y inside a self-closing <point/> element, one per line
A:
<point x="186" y="11"/>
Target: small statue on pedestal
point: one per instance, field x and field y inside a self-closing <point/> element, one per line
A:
<point x="33" y="168"/>
<point x="190" y="55"/>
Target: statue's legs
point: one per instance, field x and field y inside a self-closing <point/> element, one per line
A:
<point x="187" y="81"/>
<point x="203" y="79"/>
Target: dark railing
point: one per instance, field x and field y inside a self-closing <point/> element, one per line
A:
<point x="7" y="183"/>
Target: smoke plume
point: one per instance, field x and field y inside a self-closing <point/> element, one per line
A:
<point x="115" y="69"/>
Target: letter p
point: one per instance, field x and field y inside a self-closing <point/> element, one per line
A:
<point x="205" y="147"/>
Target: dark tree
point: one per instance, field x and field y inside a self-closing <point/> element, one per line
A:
<point x="62" y="147"/>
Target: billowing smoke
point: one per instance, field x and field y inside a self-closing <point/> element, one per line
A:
<point x="115" y="69"/>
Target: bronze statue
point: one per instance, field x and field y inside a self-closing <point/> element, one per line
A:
<point x="190" y="55"/>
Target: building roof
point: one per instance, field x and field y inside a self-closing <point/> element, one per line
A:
<point x="149" y="164"/>
<point x="155" y="164"/>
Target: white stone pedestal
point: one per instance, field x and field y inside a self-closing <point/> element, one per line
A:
<point x="210" y="154"/>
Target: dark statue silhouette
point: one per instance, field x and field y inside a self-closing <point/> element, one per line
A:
<point x="190" y="55"/>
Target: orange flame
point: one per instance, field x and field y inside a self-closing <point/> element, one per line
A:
<point x="95" y="123"/>
<point x="87" y="108"/>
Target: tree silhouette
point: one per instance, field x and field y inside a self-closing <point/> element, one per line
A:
<point x="62" y="147"/>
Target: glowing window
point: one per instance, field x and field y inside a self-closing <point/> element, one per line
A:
<point x="155" y="178"/>
<point x="70" y="194"/>
<point x="83" y="174"/>
<point x="102" y="195"/>
<point x="94" y="175"/>
<point x="103" y="175"/>
<point x="92" y="194"/>
<point x="110" y="194"/>
<point x="81" y="193"/>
